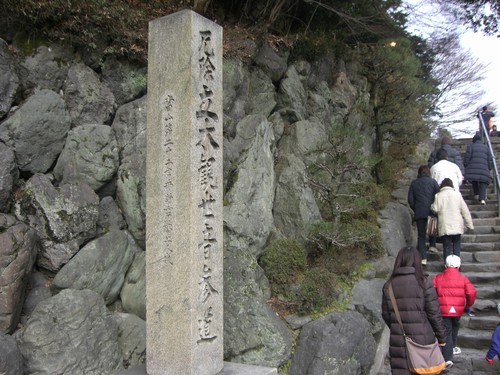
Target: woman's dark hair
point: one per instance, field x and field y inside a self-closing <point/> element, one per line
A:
<point x="410" y="257"/>
<point x="424" y="170"/>
<point x="446" y="182"/>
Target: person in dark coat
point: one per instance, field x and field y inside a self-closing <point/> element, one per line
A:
<point x="478" y="164"/>
<point x="453" y="155"/>
<point x="418" y="306"/>
<point x="420" y="197"/>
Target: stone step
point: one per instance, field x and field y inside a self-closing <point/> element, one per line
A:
<point x="483" y="214"/>
<point x="485" y="323"/>
<point x="475" y="237"/>
<point x="486" y="256"/>
<point x="481" y="222"/>
<point x="480" y="246"/>
<point x="476" y="207"/>
<point x="483" y="277"/>
<point x="480" y="267"/>
<point x="474" y="339"/>
<point x="472" y="362"/>
<point x="483" y="229"/>
<point x="476" y="278"/>
<point x="489" y="292"/>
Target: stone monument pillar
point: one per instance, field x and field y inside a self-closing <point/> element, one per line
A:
<point x="184" y="196"/>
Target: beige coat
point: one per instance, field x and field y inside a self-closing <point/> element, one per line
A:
<point x="452" y="211"/>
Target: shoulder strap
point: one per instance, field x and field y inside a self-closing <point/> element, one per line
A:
<point x="395" y="307"/>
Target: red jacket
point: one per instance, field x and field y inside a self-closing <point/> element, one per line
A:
<point x="455" y="292"/>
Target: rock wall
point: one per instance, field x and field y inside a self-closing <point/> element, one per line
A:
<point x="72" y="202"/>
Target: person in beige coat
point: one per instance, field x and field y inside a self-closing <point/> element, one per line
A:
<point x="453" y="217"/>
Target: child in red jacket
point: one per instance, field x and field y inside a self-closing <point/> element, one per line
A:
<point x="455" y="294"/>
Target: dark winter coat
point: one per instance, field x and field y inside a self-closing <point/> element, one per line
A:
<point x="421" y="195"/>
<point x="419" y="310"/>
<point x="453" y="156"/>
<point x="478" y="162"/>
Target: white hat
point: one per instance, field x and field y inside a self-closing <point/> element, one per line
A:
<point x="453" y="261"/>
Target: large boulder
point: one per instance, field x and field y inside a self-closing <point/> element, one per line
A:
<point x="90" y="156"/>
<point x="396" y="226"/>
<point x="131" y="196"/>
<point x="11" y="360"/>
<point x="19" y="245"/>
<point x="339" y="343"/>
<point x="8" y="175"/>
<point x="245" y="93"/>
<point x="131" y="339"/>
<point x="65" y="217"/>
<point x="133" y="292"/>
<point x="71" y="333"/>
<point x="126" y="81"/>
<point x="100" y="266"/>
<point x="110" y="217"/>
<point x="89" y="101"/>
<point x="129" y="126"/>
<point x="258" y="336"/>
<point x="46" y="68"/>
<point x="37" y="131"/>
<point x="9" y="80"/>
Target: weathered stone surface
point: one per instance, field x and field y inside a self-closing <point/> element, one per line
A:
<point x="99" y="266"/>
<point x="366" y="299"/>
<point x="9" y="80"/>
<point x="245" y="93"/>
<point x="38" y="291"/>
<point x="110" y="217"/>
<point x="11" y="360"/>
<point x="131" y="339"/>
<point x="396" y="226"/>
<point x="252" y="194"/>
<point x="338" y="343"/>
<point x="89" y="101"/>
<point x="90" y="156"/>
<point x="131" y="196"/>
<point x="272" y="62"/>
<point x="294" y="202"/>
<point x="129" y="125"/>
<point x="36" y="146"/>
<point x="8" y="175"/>
<point x="292" y="95"/>
<point x="126" y="81"/>
<point x="46" y="68"/>
<point x="71" y="333"/>
<point x="19" y="245"/>
<point x="65" y="217"/>
<point x="258" y="336"/>
<point x="133" y="292"/>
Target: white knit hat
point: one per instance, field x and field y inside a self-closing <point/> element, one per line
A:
<point x="453" y="261"/>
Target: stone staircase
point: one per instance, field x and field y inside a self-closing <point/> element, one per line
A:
<point x="480" y="254"/>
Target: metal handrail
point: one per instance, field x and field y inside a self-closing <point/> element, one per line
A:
<point x="496" y="178"/>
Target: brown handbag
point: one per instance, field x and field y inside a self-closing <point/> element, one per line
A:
<point x="422" y="359"/>
<point x="432" y="226"/>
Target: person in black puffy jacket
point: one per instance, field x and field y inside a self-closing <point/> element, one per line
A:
<point x="418" y="306"/>
<point x="478" y="164"/>
<point x="420" y="197"/>
<point x="453" y="155"/>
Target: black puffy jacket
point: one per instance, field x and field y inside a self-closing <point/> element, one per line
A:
<point x="419" y="310"/>
<point x="478" y="162"/>
<point x="453" y="156"/>
<point x="421" y="195"/>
